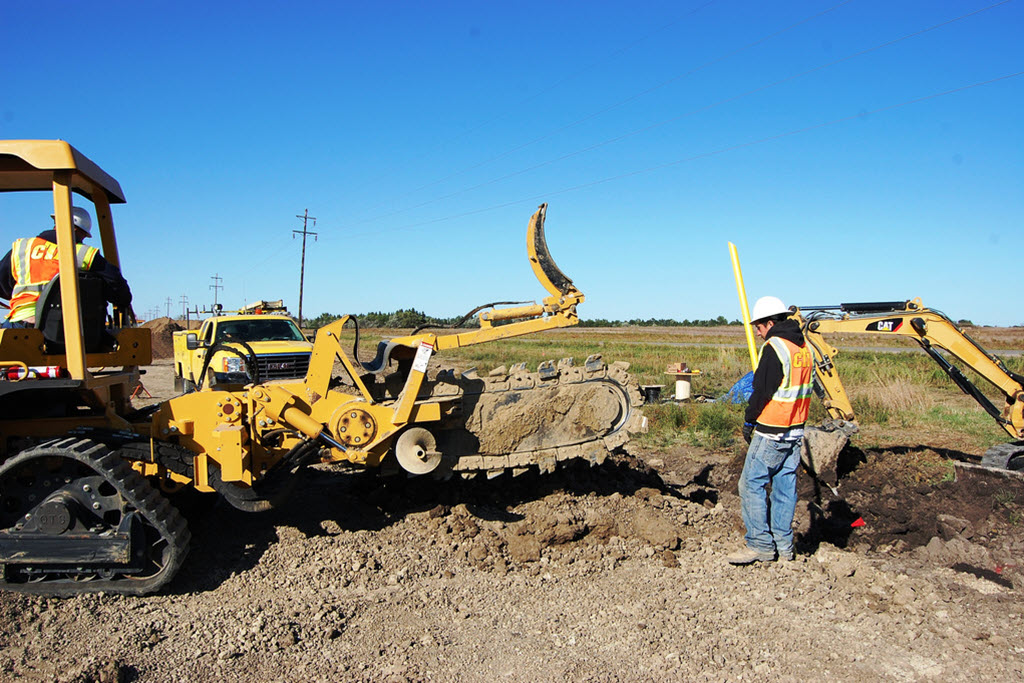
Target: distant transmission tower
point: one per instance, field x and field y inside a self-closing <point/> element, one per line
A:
<point x="302" y="270"/>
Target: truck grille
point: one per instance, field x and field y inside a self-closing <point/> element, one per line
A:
<point x="282" y="365"/>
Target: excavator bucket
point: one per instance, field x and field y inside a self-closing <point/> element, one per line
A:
<point x="821" y="448"/>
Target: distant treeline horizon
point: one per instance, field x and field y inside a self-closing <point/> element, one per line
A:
<point x="411" y="318"/>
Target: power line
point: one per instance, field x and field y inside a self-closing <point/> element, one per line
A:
<point x="692" y="112"/>
<point x="527" y="100"/>
<point x="702" y="155"/>
<point x="615" y="105"/>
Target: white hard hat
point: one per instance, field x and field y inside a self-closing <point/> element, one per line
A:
<point x="81" y="219"/>
<point x="767" y="307"/>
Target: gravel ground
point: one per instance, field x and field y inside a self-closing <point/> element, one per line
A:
<point x="613" y="573"/>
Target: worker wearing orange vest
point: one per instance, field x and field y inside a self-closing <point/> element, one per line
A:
<point x="32" y="263"/>
<point x="774" y="424"/>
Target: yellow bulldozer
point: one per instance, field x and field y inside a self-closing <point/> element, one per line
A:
<point x="85" y="478"/>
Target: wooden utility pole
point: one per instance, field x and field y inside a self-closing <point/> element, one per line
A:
<point x="302" y="269"/>
<point x="215" y="286"/>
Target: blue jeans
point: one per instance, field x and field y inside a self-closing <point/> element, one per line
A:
<point x="769" y="517"/>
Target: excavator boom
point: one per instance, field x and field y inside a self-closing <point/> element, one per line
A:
<point x="937" y="335"/>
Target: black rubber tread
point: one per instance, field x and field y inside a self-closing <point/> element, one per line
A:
<point x="137" y="493"/>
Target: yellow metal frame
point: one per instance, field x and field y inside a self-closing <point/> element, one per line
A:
<point x="56" y="166"/>
<point x="199" y="422"/>
<point x="925" y="326"/>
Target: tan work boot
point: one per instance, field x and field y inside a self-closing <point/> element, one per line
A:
<point x="747" y="555"/>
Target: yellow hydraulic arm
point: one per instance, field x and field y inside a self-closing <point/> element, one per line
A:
<point x="929" y="328"/>
<point x="359" y="428"/>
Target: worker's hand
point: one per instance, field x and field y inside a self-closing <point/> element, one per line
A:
<point x="748" y="431"/>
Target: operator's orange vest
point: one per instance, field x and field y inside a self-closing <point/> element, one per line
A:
<point x="33" y="264"/>
<point x="791" y="402"/>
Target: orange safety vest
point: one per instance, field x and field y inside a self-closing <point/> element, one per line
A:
<point x="33" y="264"/>
<point x="791" y="402"/>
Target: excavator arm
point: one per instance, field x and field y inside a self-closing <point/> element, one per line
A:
<point x="930" y="328"/>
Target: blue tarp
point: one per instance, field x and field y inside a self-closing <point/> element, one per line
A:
<point x="741" y="391"/>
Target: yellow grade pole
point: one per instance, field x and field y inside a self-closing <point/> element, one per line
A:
<point x="743" y="305"/>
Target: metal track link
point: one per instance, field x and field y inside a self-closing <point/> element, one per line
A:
<point x="137" y="494"/>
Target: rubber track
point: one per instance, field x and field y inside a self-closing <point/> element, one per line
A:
<point x="447" y="385"/>
<point x="137" y="493"/>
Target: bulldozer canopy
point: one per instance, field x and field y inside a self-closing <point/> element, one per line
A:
<point x="31" y="165"/>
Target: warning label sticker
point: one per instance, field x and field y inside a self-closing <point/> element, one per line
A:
<point x="419" y="364"/>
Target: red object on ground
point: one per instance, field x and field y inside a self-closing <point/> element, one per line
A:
<point x="858" y="522"/>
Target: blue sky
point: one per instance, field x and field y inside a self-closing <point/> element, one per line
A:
<point x="853" y="151"/>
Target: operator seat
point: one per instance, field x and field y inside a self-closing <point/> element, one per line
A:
<point x="50" y="315"/>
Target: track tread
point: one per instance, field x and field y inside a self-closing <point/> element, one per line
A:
<point x="137" y="493"/>
<point x="517" y="379"/>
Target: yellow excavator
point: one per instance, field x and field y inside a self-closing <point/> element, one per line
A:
<point x="935" y="333"/>
<point x="86" y="481"/>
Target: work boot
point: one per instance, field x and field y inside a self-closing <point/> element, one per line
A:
<point x="787" y="557"/>
<point x="747" y="555"/>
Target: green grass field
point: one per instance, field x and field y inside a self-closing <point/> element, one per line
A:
<point x="899" y="398"/>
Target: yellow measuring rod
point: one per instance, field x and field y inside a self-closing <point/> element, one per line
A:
<point x="743" y="305"/>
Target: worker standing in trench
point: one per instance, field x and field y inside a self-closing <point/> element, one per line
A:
<point x="774" y="428"/>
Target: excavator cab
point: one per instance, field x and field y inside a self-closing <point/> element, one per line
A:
<point x="76" y="366"/>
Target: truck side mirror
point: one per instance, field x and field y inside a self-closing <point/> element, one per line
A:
<point x="191" y="341"/>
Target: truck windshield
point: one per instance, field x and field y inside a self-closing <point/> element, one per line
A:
<point x="259" y="330"/>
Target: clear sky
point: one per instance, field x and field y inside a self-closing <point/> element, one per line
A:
<point x="858" y="150"/>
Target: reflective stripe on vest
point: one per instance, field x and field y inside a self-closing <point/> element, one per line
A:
<point x="33" y="264"/>
<point x="791" y="402"/>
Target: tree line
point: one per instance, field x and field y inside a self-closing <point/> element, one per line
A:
<point x="411" y="318"/>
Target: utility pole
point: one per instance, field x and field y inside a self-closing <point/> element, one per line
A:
<point x="184" y="306"/>
<point x="302" y="271"/>
<point x="215" y="286"/>
<point x="168" y="303"/>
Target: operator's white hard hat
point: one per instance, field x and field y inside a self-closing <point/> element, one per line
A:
<point x="81" y="219"/>
<point x="767" y="307"/>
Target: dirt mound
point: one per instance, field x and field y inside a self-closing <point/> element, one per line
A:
<point x="912" y="502"/>
<point x="163" y="336"/>
<point x="607" y="573"/>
